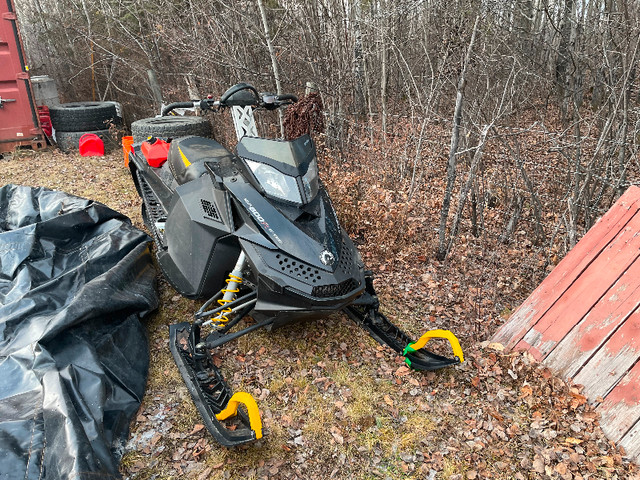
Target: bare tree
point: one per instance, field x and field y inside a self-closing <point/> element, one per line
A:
<point x="453" y="150"/>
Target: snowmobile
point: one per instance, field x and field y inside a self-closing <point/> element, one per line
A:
<point x="255" y="234"/>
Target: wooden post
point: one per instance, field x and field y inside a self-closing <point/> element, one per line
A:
<point x="310" y="87"/>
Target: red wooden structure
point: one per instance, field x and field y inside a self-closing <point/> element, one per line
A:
<point x="583" y="321"/>
<point x="19" y="122"/>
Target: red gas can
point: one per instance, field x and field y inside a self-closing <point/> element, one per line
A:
<point x="91" y="145"/>
<point x="155" y="151"/>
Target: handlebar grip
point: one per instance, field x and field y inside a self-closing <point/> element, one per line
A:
<point x="287" y="96"/>
<point x="174" y="105"/>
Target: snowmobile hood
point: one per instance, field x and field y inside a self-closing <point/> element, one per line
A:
<point x="310" y="233"/>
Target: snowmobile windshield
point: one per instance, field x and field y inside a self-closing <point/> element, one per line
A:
<point x="286" y="170"/>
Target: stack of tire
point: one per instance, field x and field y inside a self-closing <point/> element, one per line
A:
<point x="170" y="127"/>
<point x="72" y="120"/>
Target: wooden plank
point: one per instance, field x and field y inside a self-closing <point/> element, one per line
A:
<point x="611" y="362"/>
<point x="620" y="409"/>
<point x="631" y="442"/>
<point x="565" y="273"/>
<point x="593" y="331"/>
<point x="584" y="292"/>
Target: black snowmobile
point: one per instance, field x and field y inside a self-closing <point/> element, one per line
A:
<point x="256" y="235"/>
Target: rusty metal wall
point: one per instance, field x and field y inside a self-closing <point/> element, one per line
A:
<point x="19" y="124"/>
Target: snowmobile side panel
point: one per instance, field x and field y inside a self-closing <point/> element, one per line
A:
<point x="197" y="234"/>
<point x="206" y="204"/>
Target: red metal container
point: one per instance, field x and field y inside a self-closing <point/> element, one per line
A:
<point x="19" y="122"/>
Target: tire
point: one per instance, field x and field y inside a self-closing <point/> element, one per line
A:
<point x="83" y="116"/>
<point x="170" y="127"/>
<point x="68" y="141"/>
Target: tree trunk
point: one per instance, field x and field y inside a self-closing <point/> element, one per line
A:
<point x="564" y="59"/>
<point x="383" y="68"/>
<point x="477" y="157"/>
<point x="453" y="150"/>
<point x="358" y="63"/>
<point x="274" y="59"/>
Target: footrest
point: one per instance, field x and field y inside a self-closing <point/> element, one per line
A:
<point x="209" y="391"/>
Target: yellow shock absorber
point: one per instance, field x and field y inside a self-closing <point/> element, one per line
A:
<point x="229" y="293"/>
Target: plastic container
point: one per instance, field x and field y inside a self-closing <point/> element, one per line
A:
<point x="91" y="145"/>
<point x="127" y="146"/>
<point x="155" y="151"/>
<point x="45" y="120"/>
<point x="45" y="91"/>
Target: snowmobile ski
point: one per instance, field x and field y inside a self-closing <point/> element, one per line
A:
<point x="365" y="313"/>
<point x="211" y="394"/>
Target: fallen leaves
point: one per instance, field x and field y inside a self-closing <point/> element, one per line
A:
<point x="337" y="402"/>
<point x="526" y="391"/>
<point x="337" y="435"/>
<point x="196" y="428"/>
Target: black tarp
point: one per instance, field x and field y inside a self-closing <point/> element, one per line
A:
<point x="75" y="277"/>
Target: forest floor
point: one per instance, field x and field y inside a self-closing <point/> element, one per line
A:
<point x="336" y="404"/>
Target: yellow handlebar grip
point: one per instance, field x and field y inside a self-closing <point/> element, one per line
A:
<point x="252" y="409"/>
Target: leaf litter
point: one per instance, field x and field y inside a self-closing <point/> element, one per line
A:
<point x="337" y="405"/>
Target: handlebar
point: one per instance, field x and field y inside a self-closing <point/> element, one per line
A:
<point x="267" y="101"/>
<point x="287" y="96"/>
<point x="205" y="104"/>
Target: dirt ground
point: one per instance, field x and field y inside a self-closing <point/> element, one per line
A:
<point x="336" y="404"/>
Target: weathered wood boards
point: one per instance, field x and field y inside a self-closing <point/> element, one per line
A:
<point x="583" y="321"/>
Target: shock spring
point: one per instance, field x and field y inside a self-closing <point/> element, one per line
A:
<point x="229" y="293"/>
<point x="233" y="282"/>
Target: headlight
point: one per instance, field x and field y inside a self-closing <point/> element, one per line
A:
<point x="276" y="183"/>
<point x="310" y="181"/>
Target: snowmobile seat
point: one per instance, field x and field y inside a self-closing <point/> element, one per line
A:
<point x="187" y="157"/>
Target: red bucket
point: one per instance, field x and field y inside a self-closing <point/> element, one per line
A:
<point x="91" y="145"/>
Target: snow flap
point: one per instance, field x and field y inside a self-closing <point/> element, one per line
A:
<point x="75" y="277"/>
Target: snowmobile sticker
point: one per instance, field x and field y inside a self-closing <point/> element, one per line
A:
<point x="261" y="220"/>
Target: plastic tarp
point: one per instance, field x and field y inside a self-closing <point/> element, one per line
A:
<point x="75" y="278"/>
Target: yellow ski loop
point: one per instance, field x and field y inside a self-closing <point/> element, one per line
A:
<point x="252" y="409"/>
<point x="446" y="334"/>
